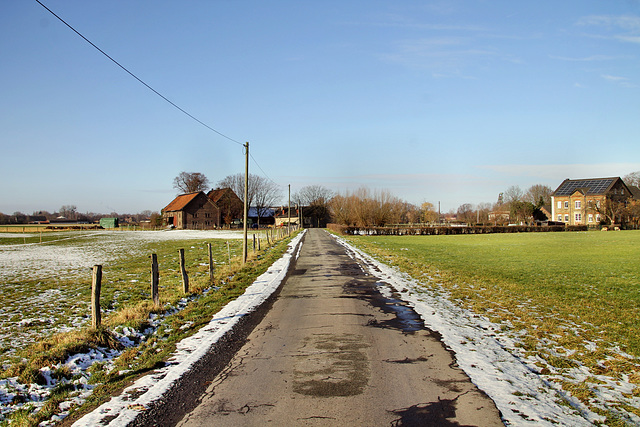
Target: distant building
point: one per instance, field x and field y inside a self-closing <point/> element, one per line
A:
<point x="109" y="222"/>
<point x="194" y="211"/>
<point x="583" y="201"/>
<point x="230" y="205"/>
<point x="283" y="217"/>
<point x="266" y="216"/>
<point x="500" y="216"/>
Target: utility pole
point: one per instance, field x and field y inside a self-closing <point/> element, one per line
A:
<point x="289" y="213"/>
<point x="246" y="201"/>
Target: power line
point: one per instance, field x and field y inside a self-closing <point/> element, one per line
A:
<point x="262" y="170"/>
<point x="137" y="78"/>
<point x="152" y="89"/>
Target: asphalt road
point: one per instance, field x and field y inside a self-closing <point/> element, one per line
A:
<point x="333" y="351"/>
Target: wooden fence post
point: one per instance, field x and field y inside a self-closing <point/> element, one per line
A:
<point x="210" y="263"/>
<point x="229" y="251"/>
<point x="155" y="278"/>
<point x="183" y="271"/>
<point x="96" y="284"/>
<point x="254" y="243"/>
<point x="258" y="243"/>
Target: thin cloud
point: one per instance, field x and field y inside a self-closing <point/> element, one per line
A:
<point x="622" y="81"/>
<point x="624" y="28"/>
<point x="614" y="78"/>
<point x="444" y="56"/>
<point x="587" y="58"/>
<point x="630" y="39"/>
<point x="625" y="22"/>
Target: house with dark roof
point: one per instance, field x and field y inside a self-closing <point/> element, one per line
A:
<point x="195" y="211"/>
<point x="230" y="205"/>
<point x="589" y="201"/>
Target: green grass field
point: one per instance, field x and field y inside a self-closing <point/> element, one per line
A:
<point x="576" y="295"/>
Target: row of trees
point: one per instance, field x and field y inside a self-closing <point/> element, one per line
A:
<point x="365" y="208"/>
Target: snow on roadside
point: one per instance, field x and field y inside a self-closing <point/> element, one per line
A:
<point x="123" y="409"/>
<point x="522" y="396"/>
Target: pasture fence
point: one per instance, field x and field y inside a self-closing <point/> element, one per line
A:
<point x="155" y="279"/>
<point x="96" y="282"/>
<point x="183" y="271"/>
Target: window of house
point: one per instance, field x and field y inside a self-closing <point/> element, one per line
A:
<point x="578" y="217"/>
<point x="566" y="205"/>
<point x="560" y="218"/>
<point x="559" y="204"/>
<point x="566" y="218"/>
<point x="598" y="217"/>
<point x="590" y="217"/>
<point x="578" y="204"/>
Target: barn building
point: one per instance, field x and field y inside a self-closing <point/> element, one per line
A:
<point x="194" y="211"/>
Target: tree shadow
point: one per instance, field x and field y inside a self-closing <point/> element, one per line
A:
<point x="437" y="413"/>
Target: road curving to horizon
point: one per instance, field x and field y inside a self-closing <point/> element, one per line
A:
<point x="332" y="350"/>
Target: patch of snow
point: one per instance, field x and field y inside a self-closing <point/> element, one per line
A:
<point x="522" y="396"/>
<point x="121" y="410"/>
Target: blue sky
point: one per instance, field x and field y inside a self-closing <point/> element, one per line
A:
<point x="438" y="101"/>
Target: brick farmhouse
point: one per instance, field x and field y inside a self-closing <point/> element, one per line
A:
<point x="199" y="211"/>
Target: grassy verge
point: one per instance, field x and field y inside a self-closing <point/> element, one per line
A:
<point x="572" y="299"/>
<point x="126" y="302"/>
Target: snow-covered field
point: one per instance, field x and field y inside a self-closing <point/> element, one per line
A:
<point x="17" y="263"/>
<point x="74" y="252"/>
<point x="43" y="307"/>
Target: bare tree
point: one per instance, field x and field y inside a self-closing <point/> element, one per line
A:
<point x="513" y="194"/>
<point x="312" y="194"/>
<point x="267" y="194"/>
<point x="466" y="213"/>
<point x="521" y="211"/>
<point x="69" y="211"/>
<point x="484" y="209"/>
<point x="236" y="183"/>
<point x="428" y="212"/>
<point x="315" y="199"/>
<point x="366" y="209"/>
<point x="409" y="213"/>
<point x="538" y="195"/>
<point x="190" y="182"/>
<point x="340" y="207"/>
<point x="612" y="209"/>
<point x="632" y="179"/>
<point x="262" y="192"/>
